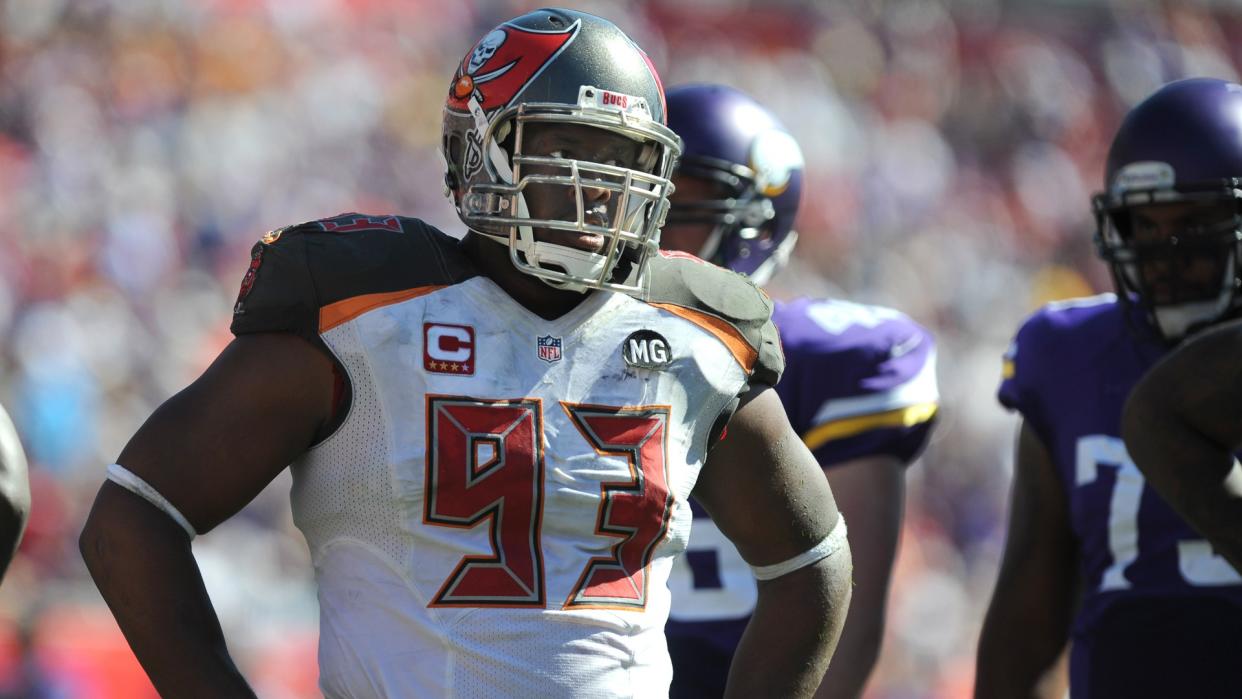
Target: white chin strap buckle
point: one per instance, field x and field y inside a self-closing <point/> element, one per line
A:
<point x="573" y="263"/>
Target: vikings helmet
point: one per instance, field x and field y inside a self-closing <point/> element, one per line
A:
<point x="1183" y="144"/>
<point x="730" y="138"/>
<point x="556" y="66"/>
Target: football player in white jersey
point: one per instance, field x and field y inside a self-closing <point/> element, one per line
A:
<point x="493" y="441"/>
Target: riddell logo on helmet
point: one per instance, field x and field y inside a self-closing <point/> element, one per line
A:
<point x="504" y="63"/>
<point x="774" y="156"/>
<point x="1147" y="174"/>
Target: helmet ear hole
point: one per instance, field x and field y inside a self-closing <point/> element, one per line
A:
<point x="452" y="143"/>
<point x="453" y="152"/>
<point x="1121" y="223"/>
<point x="451" y="147"/>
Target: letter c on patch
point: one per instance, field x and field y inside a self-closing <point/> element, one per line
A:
<point x="448" y="343"/>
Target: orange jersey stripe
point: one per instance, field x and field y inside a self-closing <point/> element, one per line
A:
<point x="723" y="330"/>
<point x="346" y="310"/>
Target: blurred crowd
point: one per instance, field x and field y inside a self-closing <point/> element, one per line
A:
<point x="951" y="149"/>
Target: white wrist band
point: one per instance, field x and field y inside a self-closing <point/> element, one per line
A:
<point x="126" y="479"/>
<point x="830" y="545"/>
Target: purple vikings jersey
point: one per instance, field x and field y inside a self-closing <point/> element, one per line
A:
<point x="1161" y="615"/>
<point x="859" y="381"/>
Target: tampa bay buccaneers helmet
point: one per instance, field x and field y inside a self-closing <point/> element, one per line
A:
<point x="1182" y="145"/>
<point x="555" y="66"/>
<point x="729" y="138"/>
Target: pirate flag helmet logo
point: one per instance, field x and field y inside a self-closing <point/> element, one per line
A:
<point x="502" y="64"/>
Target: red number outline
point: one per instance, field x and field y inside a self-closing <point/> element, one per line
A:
<point x="461" y="489"/>
<point x="512" y="576"/>
<point x="619" y="580"/>
<point x="348" y="223"/>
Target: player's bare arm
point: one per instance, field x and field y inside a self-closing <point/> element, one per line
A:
<point x="1182" y="427"/>
<point x="870" y="493"/>
<point x="14" y="491"/>
<point x="1027" y="623"/>
<point x="767" y="494"/>
<point x="208" y="451"/>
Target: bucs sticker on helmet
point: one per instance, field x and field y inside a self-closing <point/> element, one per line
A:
<point x="504" y="63"/>
<point x="589" y="96"/>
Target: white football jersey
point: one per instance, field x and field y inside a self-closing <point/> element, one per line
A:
<point x="498" y="512"/>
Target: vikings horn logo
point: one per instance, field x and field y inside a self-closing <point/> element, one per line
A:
<point x="504" y="63"/>
<point x="774" y="156"/>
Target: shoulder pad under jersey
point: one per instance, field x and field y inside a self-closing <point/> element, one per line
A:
<point x="728" y="301"/>
<point x="859" y="379"/>
<point x="297" y="270"/>
<point x="1053" y="344"/>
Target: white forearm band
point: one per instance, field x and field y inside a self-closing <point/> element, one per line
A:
<point x="830" y="545"/>
<point x="126" y="479"/>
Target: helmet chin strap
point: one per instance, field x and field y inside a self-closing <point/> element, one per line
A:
<point x="1176" y="322"/>
<point x="579" y="263"/>
<point x="778" y="259"/>
<point x="556" y="258"/>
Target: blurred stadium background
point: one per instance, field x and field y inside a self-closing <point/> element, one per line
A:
<point x="145" y="145"/>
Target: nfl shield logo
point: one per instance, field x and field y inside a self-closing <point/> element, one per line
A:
<point x="549" y="348"/>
